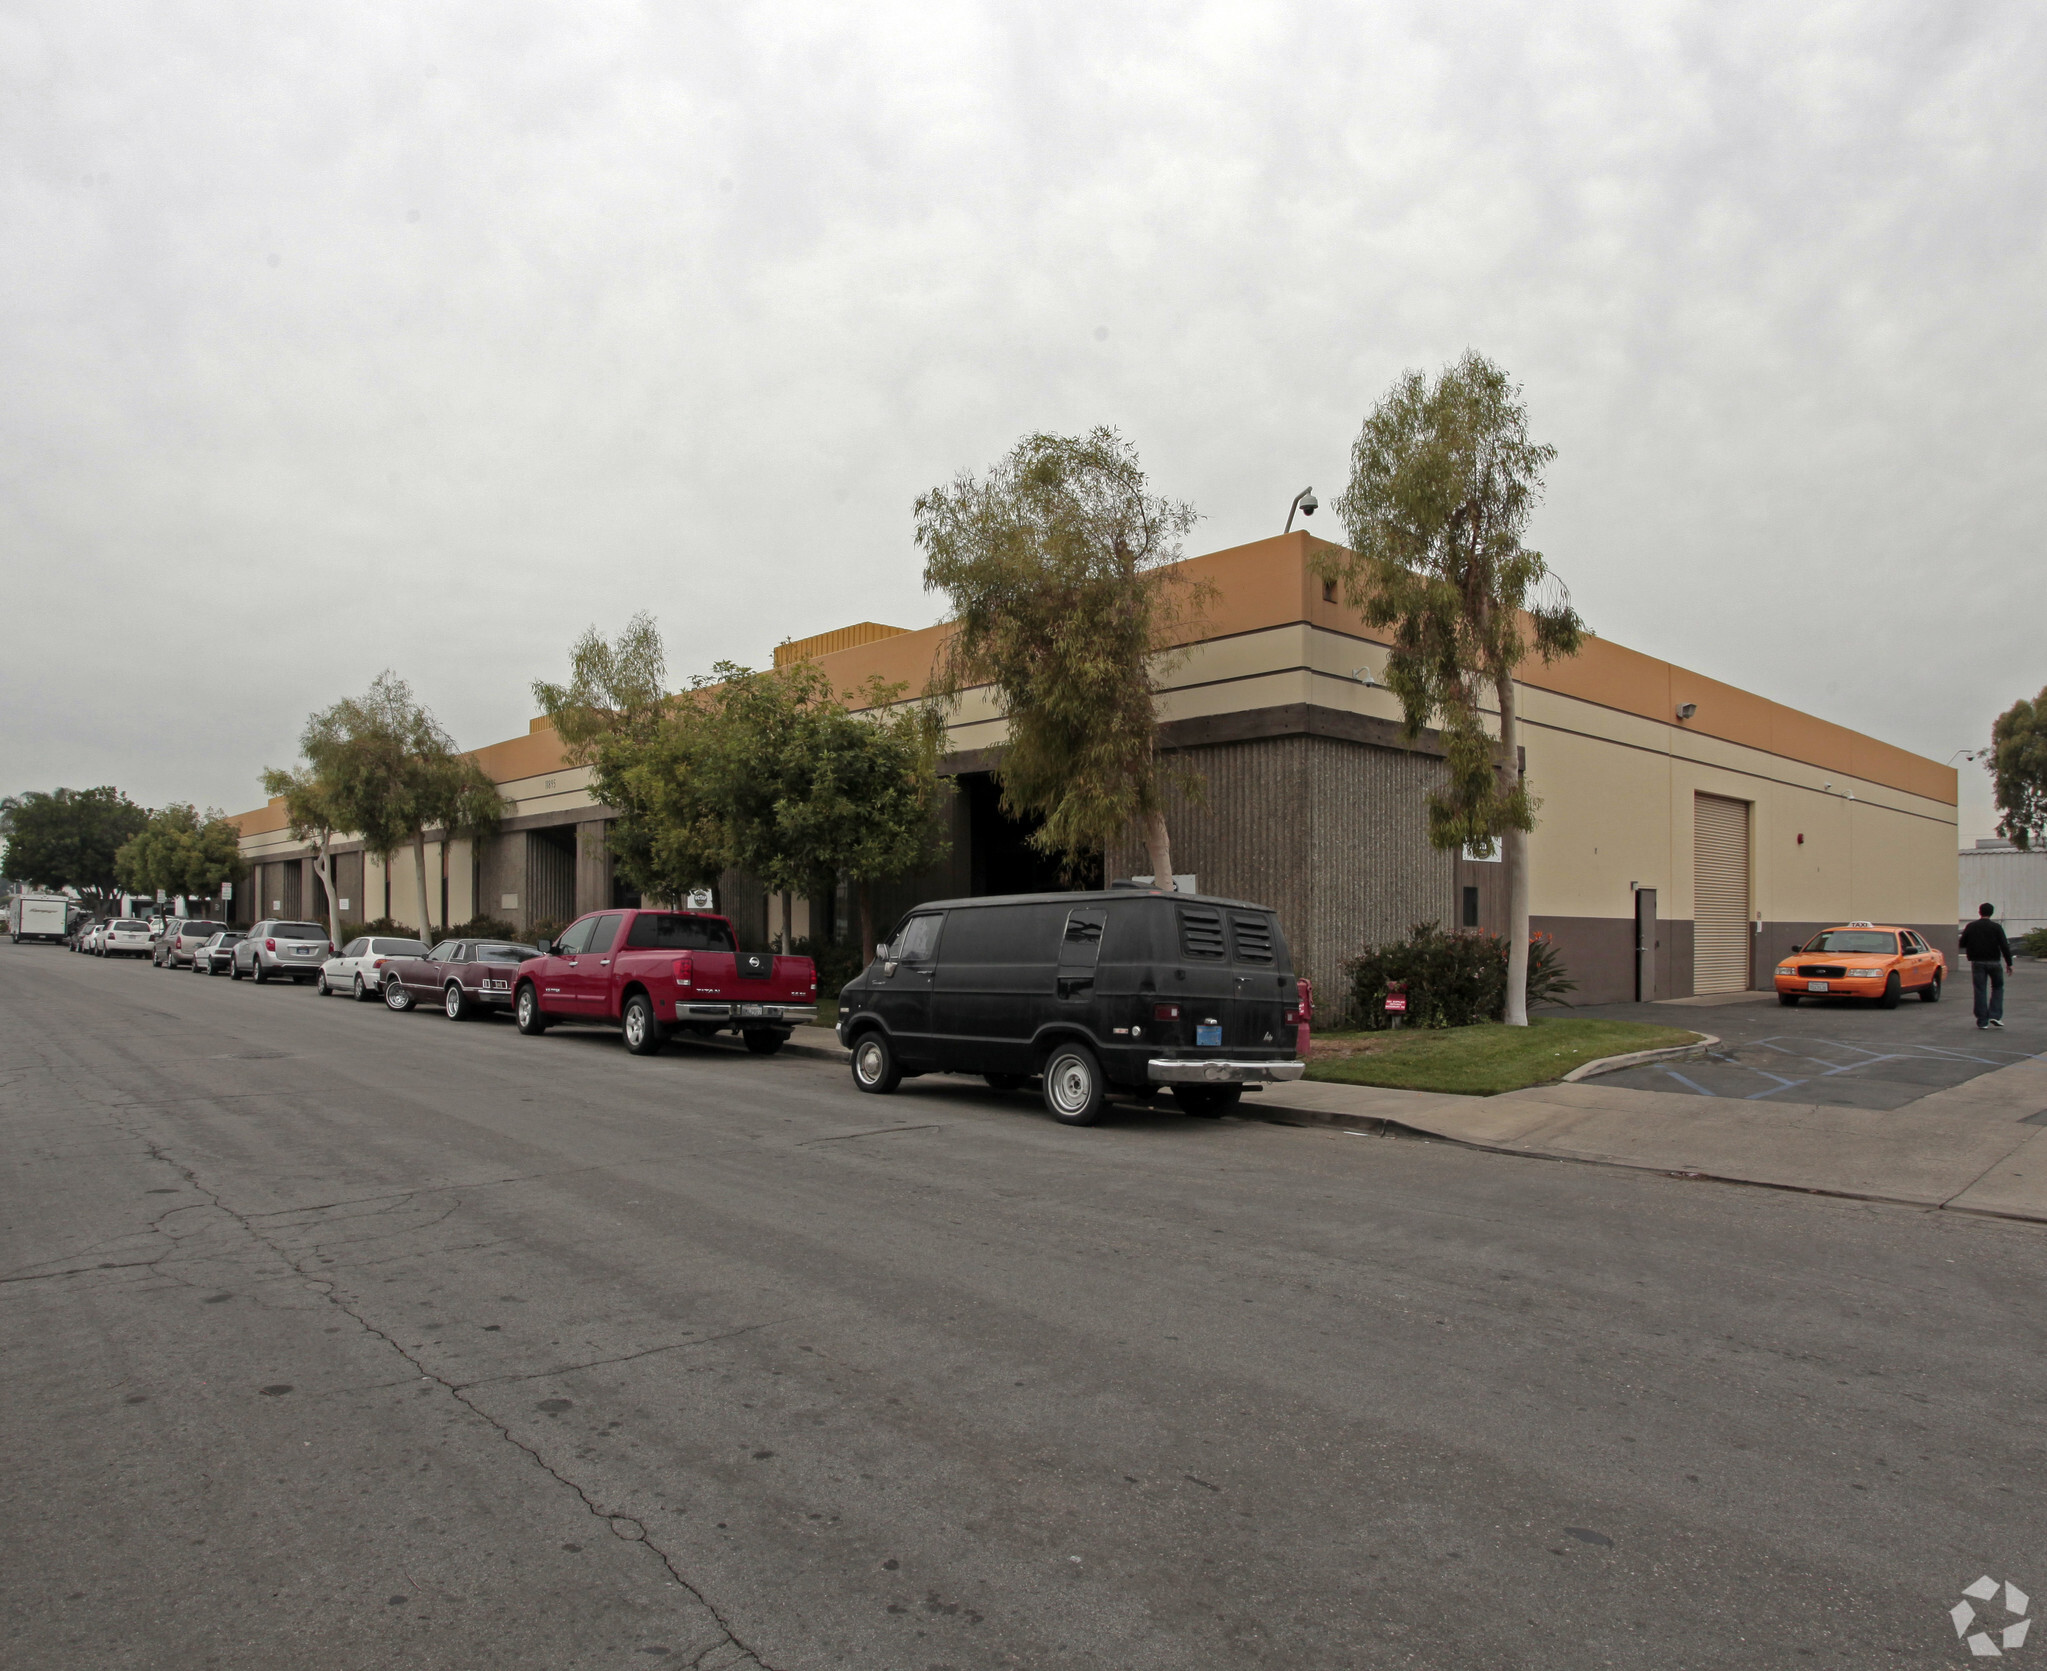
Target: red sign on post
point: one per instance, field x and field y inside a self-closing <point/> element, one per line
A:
<point x="1396" y="1002"/>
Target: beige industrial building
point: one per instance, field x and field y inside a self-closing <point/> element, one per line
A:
<point x="1689" y="831"/>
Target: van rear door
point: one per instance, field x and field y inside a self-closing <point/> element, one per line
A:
<point x="1261" y="987"/>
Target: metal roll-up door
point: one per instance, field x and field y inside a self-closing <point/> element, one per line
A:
<point x="1720" y="923"/>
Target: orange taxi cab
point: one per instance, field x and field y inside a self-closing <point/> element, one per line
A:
<point x="1862" y="960"/>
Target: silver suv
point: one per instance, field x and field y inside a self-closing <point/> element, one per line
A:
<point x="182" y="936"/>
<point x="273" y="950"/>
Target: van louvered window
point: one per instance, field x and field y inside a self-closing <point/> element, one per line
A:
<point x="1201" y="933"/>
<point x="1253" y="935"/>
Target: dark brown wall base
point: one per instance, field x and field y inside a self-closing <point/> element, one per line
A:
<point x="1599" y="954"/>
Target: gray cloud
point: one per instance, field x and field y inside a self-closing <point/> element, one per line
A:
<point x="340" y="340"/>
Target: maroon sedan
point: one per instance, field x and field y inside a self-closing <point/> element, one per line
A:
<point x="462" y="977"/>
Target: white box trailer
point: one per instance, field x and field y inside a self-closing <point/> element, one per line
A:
<point x="37" y="917"/>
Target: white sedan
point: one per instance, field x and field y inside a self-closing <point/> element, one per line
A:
<point x="356" y="968"/>
<point x="125" y="937"/>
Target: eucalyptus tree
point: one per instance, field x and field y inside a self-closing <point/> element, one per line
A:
<point x="310" y="815"/>
<point x="389" y="772"/>
<point x="1443" y="479"/>
<point x="1056" y="565"/>
<point x="2018" y="771"/>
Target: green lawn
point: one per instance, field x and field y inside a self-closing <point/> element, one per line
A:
<point x="1482" y="1060"/>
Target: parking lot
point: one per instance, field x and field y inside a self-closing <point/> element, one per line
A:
<point x="1844" y="1052"/>
<point x="337" y="1337"/>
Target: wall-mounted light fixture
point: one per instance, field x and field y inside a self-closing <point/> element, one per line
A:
<point x="1685" y="710"/>
<point x="1363" y="675"/>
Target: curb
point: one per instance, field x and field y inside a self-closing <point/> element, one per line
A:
<point x="1634" y="1059"/>
<point x="1378" y="1125"/>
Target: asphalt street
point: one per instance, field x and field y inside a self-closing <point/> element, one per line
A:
<point x="339" y="1338"/>
<point x="1843" y="1051"/>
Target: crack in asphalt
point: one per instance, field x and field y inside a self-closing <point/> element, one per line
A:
<point x="879" y="1131"/>
<point x="627" y="1357"/>
<point x="625" y="1526"/>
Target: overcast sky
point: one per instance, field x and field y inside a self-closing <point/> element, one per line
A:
<point x="338" y="338"/>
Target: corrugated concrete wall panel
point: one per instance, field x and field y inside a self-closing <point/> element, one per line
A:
<point x="1332" y="834"/>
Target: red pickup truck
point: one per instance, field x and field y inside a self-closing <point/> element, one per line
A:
<point x="651" y="973"/>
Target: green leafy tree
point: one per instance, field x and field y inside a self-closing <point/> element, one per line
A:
<point x="768" y="772"/>
<point x="861" y="792"/>
<point x="1056" y="568"/>
<point x="2018" y="771"/>
<point x="389" y="772"/>
<point x="182" y="851"/>
<point x="447" y="791"/>
<point x="1443" y="479"/>
<point x="309" y="812"/>
<point x="651" y="759"/>
<point x="67" y="838"/>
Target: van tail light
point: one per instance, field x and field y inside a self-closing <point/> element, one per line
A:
<point x="685" y="971"/>
<point x="1165" y="1012"/>
<point x="270" y="945"/>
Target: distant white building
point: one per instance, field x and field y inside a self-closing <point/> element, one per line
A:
<point x="2015" y="882"/>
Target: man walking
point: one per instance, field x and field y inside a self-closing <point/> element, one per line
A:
<point x="1989" y="955"/>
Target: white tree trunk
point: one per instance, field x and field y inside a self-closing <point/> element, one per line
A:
<point x="323" y="867"/>
<point x="1514" y="859"/>
<point x="426" y="910"/>
<point x="1161" y="847"/>
<point x="788" y="921"/>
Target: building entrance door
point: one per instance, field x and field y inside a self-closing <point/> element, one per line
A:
<point x="1720" y="895"/>
<point x="1645" y="945"/>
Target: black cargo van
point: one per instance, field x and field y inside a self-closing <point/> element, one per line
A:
<point x="1122" y="991"/>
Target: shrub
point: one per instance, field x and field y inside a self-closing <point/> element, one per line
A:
<point x="383" y="925"/>
<point x="1547" y="982"/>
<point x="547" y="928"/>
<point x="484" y="928"/>
<point x="837" y="963"/>
<point x="1453" y="979"/>
<point x="2035" y="942"/>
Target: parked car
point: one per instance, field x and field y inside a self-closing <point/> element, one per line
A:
<point x="183" y="936"/>
<point x="650" y="973"/>
<point x="125" y="937"/>
<point x="357" y="968"/>
<point x="464" y="977"/>
<point x="216" y="954"/>
<point x="1121" y="991"/>
<point x="273" y="950"/>
<point x="1879" y="961"/>
<point x="89" y="935"/>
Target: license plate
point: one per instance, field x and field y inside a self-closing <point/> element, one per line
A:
<point x="748" y="1009"/>
<point x="1211" y="1037"/>
<point x="305" y="951"/>
<point x="1816" y="986"/>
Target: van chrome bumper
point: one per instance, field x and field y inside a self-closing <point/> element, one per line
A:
<point x="1211" y="1071"/>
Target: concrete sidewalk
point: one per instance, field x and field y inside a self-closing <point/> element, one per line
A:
<point x="1977" y="1147"/>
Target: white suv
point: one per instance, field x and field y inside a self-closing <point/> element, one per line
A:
<point x="281" y="951"/>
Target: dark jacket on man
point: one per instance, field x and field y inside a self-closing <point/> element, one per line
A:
<point x="1983" y="941"/>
